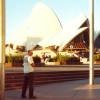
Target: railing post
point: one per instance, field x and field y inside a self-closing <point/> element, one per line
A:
<point x="2" y="49"/>
<point x="91" y="35"/>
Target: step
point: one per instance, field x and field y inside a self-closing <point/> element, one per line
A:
<point x="15" y="80"/>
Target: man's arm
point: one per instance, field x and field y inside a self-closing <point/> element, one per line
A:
<point x="30" y="60"/>
<point x="33" y="65"/>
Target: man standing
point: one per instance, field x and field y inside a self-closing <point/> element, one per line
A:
<point x="28" y="64"/>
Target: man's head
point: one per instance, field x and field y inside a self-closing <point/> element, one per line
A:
<point x="30" y="53"/>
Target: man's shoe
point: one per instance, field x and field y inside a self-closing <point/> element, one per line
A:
<point x="33" y="97"/>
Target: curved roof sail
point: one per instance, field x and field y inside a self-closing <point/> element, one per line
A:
<point x="41" y="23"/>
<point x="44" y="21"/>
<point x="64" y="36"/>
<point x="74" y="24"/>
<point x="71" y="36"/>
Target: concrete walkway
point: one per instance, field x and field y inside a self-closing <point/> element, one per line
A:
<point x="72" y="90"/>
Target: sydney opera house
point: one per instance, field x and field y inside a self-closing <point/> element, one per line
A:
<point x="47" y="31"/>
<point x="75" y="38"/>
<point x="50" y="33"/>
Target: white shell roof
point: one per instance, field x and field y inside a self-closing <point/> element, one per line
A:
<point x="61" y="38"/>
<point x="96" y="35"/>
<point x="71" y="36"/>
<point x="66" y="35"/>
<point x="41" y="23"/>
<point x="44" y="21"/>
<point x="75" y="23"/>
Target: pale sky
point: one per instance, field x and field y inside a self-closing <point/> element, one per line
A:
<point x="17" y="11"/>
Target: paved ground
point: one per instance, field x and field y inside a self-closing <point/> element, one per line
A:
<point x="72" y="90"/>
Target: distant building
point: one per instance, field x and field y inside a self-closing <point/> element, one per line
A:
<point x="75" y="36"/>
<point x="42" y="23"/>
<point x="44" y="28"/>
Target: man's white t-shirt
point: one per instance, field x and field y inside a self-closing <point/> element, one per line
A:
<point x="27" y="61"/>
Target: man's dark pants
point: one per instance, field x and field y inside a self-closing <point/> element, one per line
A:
<point x="28" y="83"/>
